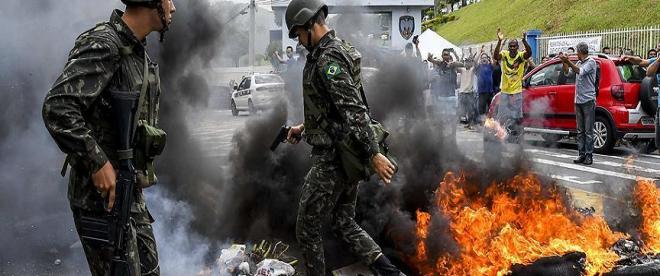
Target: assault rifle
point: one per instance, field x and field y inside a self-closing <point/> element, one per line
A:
<point x="113" y="229"/>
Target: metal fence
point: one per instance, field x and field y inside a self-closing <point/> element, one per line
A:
<point x="639" y="39"/>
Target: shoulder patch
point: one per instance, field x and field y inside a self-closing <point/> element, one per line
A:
<point x="331" y="70"/>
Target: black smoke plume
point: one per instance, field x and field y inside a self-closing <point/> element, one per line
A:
<point x="252" y="195"/>
<point x="186" y="170"/>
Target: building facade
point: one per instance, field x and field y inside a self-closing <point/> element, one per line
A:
<point x="405" y="18"/>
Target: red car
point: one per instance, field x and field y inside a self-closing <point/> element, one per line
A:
<point x="549" y="108"/>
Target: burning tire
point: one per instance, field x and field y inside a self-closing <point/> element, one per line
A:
<point x="649" y="269"/>
<point x="567" y="265"/>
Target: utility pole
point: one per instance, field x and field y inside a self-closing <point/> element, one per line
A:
<point x="253" y="9"/>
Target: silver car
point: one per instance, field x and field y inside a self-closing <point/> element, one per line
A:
<point x="256" y="92"/>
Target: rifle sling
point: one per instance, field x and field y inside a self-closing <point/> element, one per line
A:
<point x="143" y="92"/>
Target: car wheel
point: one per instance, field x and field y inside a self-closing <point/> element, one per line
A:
<point x="551" y="138"/>
<point x="251" y="108"/>
<point x="234" y="110"/>
<point x="648" y="95"/>
<point x="604" y="138"/>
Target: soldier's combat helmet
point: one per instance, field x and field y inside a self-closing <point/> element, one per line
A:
<point x="300" y="12"/>
<point x="144" y="3"/>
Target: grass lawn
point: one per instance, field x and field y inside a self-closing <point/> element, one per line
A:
<point x="479" y="22"/>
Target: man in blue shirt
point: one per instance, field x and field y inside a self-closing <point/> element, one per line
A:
<point x="485" y="88"/>
<point x="652" y="69"/>
<point x="585" y="100"/>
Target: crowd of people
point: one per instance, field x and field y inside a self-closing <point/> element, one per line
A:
<point x="461" y="89"/>
<point x="477" y="77"/>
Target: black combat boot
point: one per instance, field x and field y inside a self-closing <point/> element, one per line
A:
<point x="580" y="159"/>
<point x="588" y="160"/>
<point x="383" y="267"/>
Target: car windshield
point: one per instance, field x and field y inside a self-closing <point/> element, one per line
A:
<point x="631" y="72"/>
<point x="261" y="79"/>
<point x="245" y="84"/>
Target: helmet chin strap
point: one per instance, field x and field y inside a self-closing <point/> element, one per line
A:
<point x="163" y="21"/>
<point x="309" y="40"/>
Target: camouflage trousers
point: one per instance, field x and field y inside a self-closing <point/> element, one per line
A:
<point x="327" y="193"/>
<point x="141" y="244"/>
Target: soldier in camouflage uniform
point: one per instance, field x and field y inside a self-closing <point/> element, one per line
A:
<point x="332" y="93"/>
<point x="108" y="57"/>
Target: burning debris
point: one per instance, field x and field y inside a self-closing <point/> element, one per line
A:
<point x="265" y="258"/>
<point x="524" y="226"/>
<point x="567" y="265"/>
<point x="586" y="211"/>
<point x="633" y="260"/>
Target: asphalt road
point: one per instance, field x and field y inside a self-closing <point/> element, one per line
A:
<point x="589" y="184"/>
<point x="50" y="246"/>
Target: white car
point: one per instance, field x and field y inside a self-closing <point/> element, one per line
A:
<point x="256" y="92"/>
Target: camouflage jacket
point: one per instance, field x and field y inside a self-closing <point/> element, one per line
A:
<point x="77" y="109"/>
<point x="332" y="86"/>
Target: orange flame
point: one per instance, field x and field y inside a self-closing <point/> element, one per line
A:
<point x="423" y="221"/>
<point x="648" y="201"/>
<point x="495" y="128"/>
<point x="515" y="222"/>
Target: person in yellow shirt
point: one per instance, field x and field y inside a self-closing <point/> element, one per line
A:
<point x="513" y="63"/>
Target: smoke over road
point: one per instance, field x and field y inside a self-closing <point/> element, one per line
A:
<point x="201" y="203"/>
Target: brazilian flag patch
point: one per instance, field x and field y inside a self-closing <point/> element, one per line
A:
<point x="332" y="70"/>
